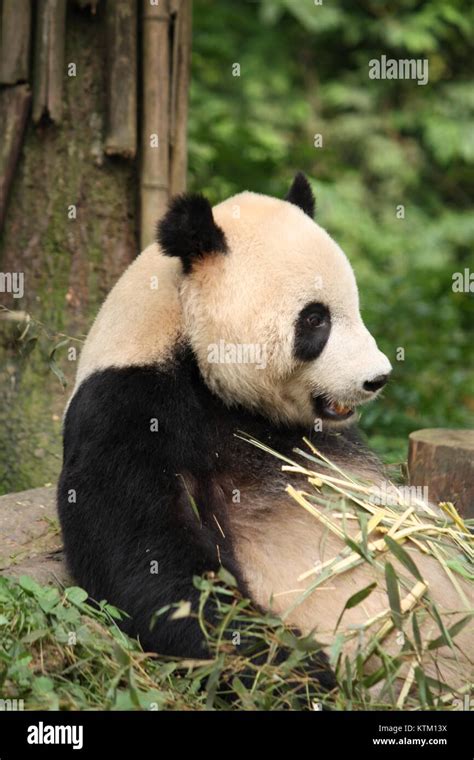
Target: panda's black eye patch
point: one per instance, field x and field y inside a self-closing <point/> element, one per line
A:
<point x="312" y="329"/>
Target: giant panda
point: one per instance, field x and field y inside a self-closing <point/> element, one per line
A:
<point x="166" y="382"/>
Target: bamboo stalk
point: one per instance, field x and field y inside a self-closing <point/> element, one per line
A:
<point x="179" y="94"/>
<point x="49" y="59"/>
<point x="154" y="181"/>
<point x="14" y="105"/>
<point x="406" y="605"/>
<point x="7" y="315"/>
<point x="15" y="42"/>
<point x="121" y="25"/>
<point x="406" y="686"/>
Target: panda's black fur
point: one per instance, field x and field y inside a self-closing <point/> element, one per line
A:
<point x="132" y="485"/>
<point x="310" y="342"/>
<point x="132" y="506"/>
<point x="301" y="195"/>
<point x="189" y="231"/>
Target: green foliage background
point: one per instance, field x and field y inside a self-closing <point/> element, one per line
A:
<point x="304" y="71"/>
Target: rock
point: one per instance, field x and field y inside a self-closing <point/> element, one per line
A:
<point x="30" y="541"/>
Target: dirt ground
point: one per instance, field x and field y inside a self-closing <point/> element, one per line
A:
<point x="30" y="542"/>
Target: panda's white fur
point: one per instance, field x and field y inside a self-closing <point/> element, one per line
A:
<point x="277" y="261"/>
<point x="141" y="319"/>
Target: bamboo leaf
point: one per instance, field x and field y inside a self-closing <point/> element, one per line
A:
<point x="417" y="634"/>
<point x="451" y="633"/>
<point x="54" y="367"/>
<point x="445" y="637"/>
<point x="403" y="557"/>
<point x="424" y="689"/>
<point x="459" y="567"/>
<point x="393" y="593"/>
<point x="28" y="346"/>
<point x="358" y="549"/>
<point x="354" y="600"/>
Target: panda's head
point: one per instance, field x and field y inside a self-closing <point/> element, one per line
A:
<point x="271" y="307"/>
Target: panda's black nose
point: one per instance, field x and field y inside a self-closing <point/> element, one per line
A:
<point x="375" y="384"/>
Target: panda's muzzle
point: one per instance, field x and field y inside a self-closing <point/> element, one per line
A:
<point x="331" y="410"/>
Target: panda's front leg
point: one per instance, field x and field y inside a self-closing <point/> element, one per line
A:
<point x="196" y="541"/>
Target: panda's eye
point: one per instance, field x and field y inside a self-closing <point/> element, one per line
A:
<point x="315" y="320"/>
<point x="312" y="328"/>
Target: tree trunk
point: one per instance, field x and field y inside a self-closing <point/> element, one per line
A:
<point x="70" y="227"/>
<point x="70" y="224"/>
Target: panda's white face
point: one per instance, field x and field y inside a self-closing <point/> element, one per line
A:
<point x="274" y="322"/>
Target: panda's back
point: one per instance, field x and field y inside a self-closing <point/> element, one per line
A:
<point x="140" y="321"/>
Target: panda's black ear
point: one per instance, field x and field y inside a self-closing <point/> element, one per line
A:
<point x="301" y="195"/>
<point x="188" y="229"/>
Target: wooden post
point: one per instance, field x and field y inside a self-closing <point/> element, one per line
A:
<point x="15" y="42"/>
<point x="14" y="105"/>
<point x="154" y="181"/>
<point x="49" y="59"/>
<point x="182" y="10"/>
<point x="121" y="22"/>
<point x="443" y="460"/>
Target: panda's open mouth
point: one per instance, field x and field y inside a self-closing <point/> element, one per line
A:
<point x="331" y="410"/>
